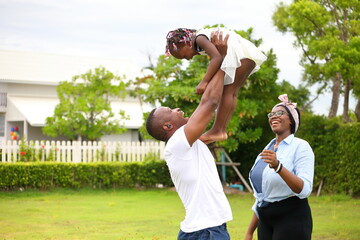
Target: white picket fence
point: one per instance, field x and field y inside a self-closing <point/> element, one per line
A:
<point x="78" y="152"/>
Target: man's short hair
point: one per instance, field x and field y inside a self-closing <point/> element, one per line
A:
<point x="154" y="127"/>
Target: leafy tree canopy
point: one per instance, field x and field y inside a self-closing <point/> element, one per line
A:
<point x="173" y="84"/>
<point x="84" y="111"/>
<point x="328" y="32"/>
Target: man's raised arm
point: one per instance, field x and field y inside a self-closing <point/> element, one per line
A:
<point x="210" y="100"/>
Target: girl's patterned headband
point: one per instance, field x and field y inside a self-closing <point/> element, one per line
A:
<point x="180" y="35"/>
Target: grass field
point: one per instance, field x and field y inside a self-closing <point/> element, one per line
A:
<point x="144" y="214"/>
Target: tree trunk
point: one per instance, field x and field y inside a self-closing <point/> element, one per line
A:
<point x="345" y="115"/>
<point x="357" y="110"/>
<point x="335" y="96"/>
<point x="320" y="187"/>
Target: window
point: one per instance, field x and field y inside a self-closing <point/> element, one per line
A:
<point x="2" y="125"/>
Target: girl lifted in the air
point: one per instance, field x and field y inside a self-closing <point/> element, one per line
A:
<point x="242" y="59"/>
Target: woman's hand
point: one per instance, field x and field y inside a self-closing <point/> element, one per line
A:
<point x="248" y="236"/>
<point x="252" y="226"/>
<point x="294" y="182"/>
<point x="269" y="157"/>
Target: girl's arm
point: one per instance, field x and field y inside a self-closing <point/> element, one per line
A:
<point x="252" y="226"/>
<point x="215" y="61"/>
<point x="209" y="102"/>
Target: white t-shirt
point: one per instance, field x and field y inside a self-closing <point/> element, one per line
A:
<point x="194" y="174"/>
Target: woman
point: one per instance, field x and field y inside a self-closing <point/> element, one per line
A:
<point x="282" y="179"/>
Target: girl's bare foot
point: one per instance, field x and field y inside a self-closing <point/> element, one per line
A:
<point x="212" y="136"/>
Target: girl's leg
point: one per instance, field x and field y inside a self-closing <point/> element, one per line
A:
<point x="228" y="103"/>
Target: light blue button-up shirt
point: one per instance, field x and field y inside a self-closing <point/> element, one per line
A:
<point x="297" y="156"/>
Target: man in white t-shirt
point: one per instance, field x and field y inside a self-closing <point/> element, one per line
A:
<point x="191" y="164"/>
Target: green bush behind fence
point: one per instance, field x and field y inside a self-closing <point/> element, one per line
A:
<point x="45" y="175"/>
<point x="337" y="151"/>
<point x="336" y="146"/>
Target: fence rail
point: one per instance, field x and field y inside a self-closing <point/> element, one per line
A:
<point x="77" y="152"/>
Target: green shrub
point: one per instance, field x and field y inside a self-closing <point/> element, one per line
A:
<point x="44" y="175"/>
<point x="336" y="147"/>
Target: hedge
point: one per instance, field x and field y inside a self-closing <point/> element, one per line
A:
<point x="337" y="150"/>
<point x="45" y="175"/>
<point x="336" y="146"/>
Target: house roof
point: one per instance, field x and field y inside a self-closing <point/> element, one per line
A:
<point x="45" y="107"/>
<point x="34" y="109"/>
<point x="50" y="69"/>
<point x="34" y="69"/>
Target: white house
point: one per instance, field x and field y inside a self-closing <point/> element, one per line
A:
<point x="28" y="94"/>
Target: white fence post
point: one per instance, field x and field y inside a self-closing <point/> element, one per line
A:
<point x="161" y="149"/>
<point x="58" y="151"/>
<point x="3" y="151"/>
<point x="85" y="152"/>
<point x="90" y="152"/>
<point x="14" y="150"/>
<point x="76" y="150"/>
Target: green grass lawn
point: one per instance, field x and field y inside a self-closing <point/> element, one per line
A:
<point x="144" y="214"/>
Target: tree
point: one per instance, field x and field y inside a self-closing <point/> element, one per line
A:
<point x="327" y="31"/>
<point x="84" y="111"/>
<point x="173" y="84"/>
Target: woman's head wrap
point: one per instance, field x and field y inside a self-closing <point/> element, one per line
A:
<point x="292" y="111"/>
<point x="180" y="35"/>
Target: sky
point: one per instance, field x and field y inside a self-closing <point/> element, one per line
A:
<point x="136" y="29"/>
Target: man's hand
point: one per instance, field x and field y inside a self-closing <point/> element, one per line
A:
<point x="219" y="42"/>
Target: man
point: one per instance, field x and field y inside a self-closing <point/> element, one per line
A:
<point x="191" y="164"/>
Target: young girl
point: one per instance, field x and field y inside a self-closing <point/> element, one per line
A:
<point x="242" y="59"/>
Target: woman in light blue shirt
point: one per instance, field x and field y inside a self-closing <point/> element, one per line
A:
<point x="282" y="179"/>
